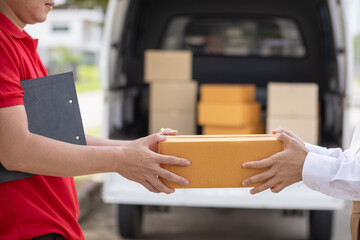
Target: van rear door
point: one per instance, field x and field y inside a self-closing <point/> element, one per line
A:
<point x="352" y="68"/>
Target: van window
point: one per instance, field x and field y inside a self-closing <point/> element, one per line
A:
<point x="258" y="37"/>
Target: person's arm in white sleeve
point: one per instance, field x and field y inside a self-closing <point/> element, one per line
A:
<point x="331" y="152"/>
<point x="335" y="173"/>
<point x="336" y="177"/>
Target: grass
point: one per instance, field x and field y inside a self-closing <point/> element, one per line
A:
<point x="87" y="78"/>
<point x="94" y="132"/>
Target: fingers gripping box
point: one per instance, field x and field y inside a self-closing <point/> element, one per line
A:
<point x="216" y="160"/>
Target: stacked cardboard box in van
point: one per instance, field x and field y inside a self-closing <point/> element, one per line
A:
<point x="294" y="106"/>
<point x="173" y="94"/>
<point x="229" y="109"/>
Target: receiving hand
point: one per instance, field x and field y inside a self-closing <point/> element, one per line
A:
<point x="285" y="168"/>
<point x="168" y="131"/>
<point x="142" y="163"/>
<point x="291" y="134"/>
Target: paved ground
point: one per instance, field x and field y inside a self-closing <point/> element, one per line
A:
<point x="183" y="223"/>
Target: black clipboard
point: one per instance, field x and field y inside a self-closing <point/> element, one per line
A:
<point x="53" y="111"/>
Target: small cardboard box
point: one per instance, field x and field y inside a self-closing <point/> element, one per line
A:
<point x="248" y="129"/>
<point x="229" y="93"/>
<point x="305" y="128"/>
<point x="184" y="122"/>
<point x="216" y="161"/>
<point x="293" y="100"/>
<point x="165" y="66"/>
<point x="173" y="96"/>
<point x="229" y="115"/>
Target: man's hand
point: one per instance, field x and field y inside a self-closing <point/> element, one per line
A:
<point x="285" y="168"/>
<point x="142" y="163"/>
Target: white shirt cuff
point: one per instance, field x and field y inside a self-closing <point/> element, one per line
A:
<point x="316" y="149"/>
<point x="316" y="172"/>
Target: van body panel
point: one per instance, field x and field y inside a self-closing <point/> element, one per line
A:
<point x="297" y="196"/>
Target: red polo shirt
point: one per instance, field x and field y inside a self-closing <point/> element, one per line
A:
<point x="37" y="205"/>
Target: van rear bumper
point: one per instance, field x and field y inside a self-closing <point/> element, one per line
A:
<point x="118" y="190"/>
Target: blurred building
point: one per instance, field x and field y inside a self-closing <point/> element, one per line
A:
<point x="69" y="37"/>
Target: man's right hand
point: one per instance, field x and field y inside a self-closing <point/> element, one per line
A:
<point x="141" y="163"/>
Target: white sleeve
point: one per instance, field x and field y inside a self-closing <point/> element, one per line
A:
<point x="331" y="152"/>
<point x="334" y="174"/>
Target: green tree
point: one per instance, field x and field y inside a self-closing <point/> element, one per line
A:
<point x="65" y="60"/>
<point x="87" y="3"/>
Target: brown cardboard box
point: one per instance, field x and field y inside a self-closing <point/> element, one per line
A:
<point x="216" y="161"/>
<point x="248" y="129"/>
<point x="305" y="128"/>
<point x="292" y="100"/>
<point x="173" y="96"/>
<point x="230" y="93"/>
<point x="184" y="122"/>
<point x="229" y="115"/>
<point x="165" y="66"/>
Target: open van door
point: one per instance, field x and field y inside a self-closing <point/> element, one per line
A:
<point x="352" y="68"/>
<point x="111" y="78"/>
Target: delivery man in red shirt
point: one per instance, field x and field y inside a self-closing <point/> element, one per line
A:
<point x="46" y="206"/>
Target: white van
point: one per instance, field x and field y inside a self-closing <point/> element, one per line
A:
<point x="321" y="52"/>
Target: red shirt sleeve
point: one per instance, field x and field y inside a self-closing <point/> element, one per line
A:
<point x="11" y="92"/>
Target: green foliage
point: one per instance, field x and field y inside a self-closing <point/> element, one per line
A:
<point x="87" y="78"/>
<point x="64" y="60"/>
<point x="94" y="132"/>
<point x="357" y="57"/>
<point x="88" y="3"/>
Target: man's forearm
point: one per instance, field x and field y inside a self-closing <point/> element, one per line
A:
<point x="135" y="160"/>
<point x="39" y="155"/>
<point x="97" y="141"/>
